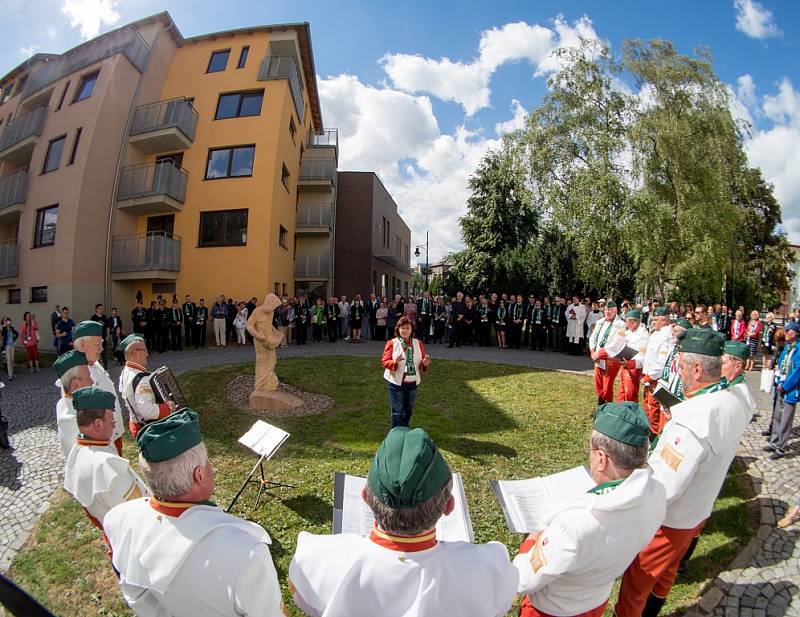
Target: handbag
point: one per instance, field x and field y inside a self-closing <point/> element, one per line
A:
<point x="767" y="380"/>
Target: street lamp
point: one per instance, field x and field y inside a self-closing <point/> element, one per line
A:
<point x="416" y="254"/>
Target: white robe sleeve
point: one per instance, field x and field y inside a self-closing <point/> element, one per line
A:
<point x="676" y="458"/>
<point x="257" y="592"/>
<point x="145" y="401"/>
<point x="555" y="552"/>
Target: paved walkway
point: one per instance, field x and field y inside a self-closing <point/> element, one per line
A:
<point x="763" y="581"/>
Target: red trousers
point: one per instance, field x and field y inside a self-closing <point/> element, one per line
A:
<point x="629" y="379"/>
<point x="118" y="445"/>
<point x="654" y="569"/>
<point x="529" y="610"/>
<point x="604" y="380"/>
<point x="653" y="410"/>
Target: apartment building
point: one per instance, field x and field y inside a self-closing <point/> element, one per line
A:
<point x="372" y="241"/>
<point x="145" y="163"/>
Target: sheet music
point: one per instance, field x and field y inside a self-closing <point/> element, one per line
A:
<point x="352" y="515"/>
<point x="529" y="505"/>
<point x="264" y="439"/>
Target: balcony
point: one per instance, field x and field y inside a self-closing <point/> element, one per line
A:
<point x="284" y="67"/>
<point x="20" y="136"/>
<point x="395" y="262"/>
<point x="9" y="262"/>
<point x="313" y="219"/>
<point x="327" y="137"/>
<point x="317" y="174"/>
<point x="128" y="42"/>
<point x="13" y="192"/>
<point x="155" y="255"/>
<point x="152" y="188"/>
<point x="165" y="126"/>
<point x="312" y="267"/>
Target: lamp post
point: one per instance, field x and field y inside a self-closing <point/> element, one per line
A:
<point x="416" y="254"/>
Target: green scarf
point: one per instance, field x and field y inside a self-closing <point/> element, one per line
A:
<point x="319" y="312"/>
<point x="605" y="336"/>
<point x="408" y="350"/>
<point x="501" y="313"/>
<point x="606" y="487"/>
<point x="735" y="382"/>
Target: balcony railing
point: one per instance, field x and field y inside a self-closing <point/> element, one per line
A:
<point x="175" y="113"/>
<point x="328" y="137"/>
<point x="24" y="126"/>
<point x="164" y="178"/>
<point x="14" y="188"/>
<point x="9" y="259"/>
<point x="284" y="67"/>
<point x="306" y="266"/>
<point x="127" y="41"/>
<point x="142" y="252"/>
<point x="314" y="215"/>
<point x="318" y="169"/>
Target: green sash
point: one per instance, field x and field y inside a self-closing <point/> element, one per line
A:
<point x="606" y="487"/>
<point x="408" y="350"/>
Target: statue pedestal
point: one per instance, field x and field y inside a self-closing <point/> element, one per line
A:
<point x="274" y="400"/>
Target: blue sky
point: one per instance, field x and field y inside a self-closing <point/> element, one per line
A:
<point x="420" y="90"/>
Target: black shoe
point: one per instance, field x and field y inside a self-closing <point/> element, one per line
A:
<point x="766" y="433"/>
<point x="653" y="606"/>
<point x="777" y="454"/>
<point x="768" y="448"/>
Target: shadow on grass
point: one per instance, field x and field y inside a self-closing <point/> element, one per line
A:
<point x="310" y="507"/>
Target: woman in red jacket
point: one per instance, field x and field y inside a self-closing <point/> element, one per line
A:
<point x="738" y="328"/>
<point x="404" y="360"/>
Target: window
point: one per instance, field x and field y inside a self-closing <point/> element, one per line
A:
<point x="292" y="128"/>
<point x="388" y="235"/>
<point x="277" y="288"/>
<point x="21" y="84"/>
<point x="63" y="96"/>
<point x="218" y="61"/>
<point x="230" y="162"/>
<point x="282" y="237"/>
<point x="223" y="228"/>
<point x="38" y="294"/>
<point x="284" y="289"/>
<point x="85" y="87"/>
<point x="75" y="143"/>
<point x="53" y="157"/>
<point x="243" y="57"/>
<point x="164" y="288"/>
<point x="14" y="296"/>
<point x="46" y="226"/>
<point x="239" y="104"/>
<point x="285" y="177"/>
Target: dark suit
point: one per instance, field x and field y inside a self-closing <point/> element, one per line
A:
<point x="424" y="314"/>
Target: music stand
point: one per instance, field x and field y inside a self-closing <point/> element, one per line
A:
<point x="263" y="439"/>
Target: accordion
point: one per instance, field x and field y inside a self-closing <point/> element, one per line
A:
<point x="165" y="388"/>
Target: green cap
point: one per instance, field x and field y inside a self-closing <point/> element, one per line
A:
<point x="167" y="438"/>
<point x="633" y="314"/>
<point x="87" y="328"/>
<point x="93" y="398"/>
<point x="684" y="323"/>
<point x="128" y="340"/>
<point x="660" y="311"/>
<point x="624" y="422"/>
<point x="408" y="469"/>
<point x="611" y="304"/>
<point x="738" y="349"/>
<point x="69" y="360"/>
<point x="702" y="341"/>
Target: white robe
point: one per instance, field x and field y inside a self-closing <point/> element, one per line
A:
<point x="638" y="339"/>
<point x="203" y="563"/>
<point x="346" y="575"/>
<point x="575" y="326"/>
<point x="102" y="380"/>
<point x="99" y="479"/>
<point x="142" y="403"/>
<point x="655" y="356"/>
<point x="572" y="567"/>
<point x="66" y="424"/>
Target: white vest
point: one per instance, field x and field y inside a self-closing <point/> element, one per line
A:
<point x="346" y="575"/>
<point x="638" y="339"/>
<point x="205" y="562"/>
<point x="103" y="381"/>
<point x="658" y="348"/>
<point x="396" y="376"/>
<point x="572" y="567"/>
<point x="694" y="452"/>
<point x="100" y="480"/>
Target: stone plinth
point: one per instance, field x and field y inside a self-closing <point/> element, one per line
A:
<point x="274" y="401"/>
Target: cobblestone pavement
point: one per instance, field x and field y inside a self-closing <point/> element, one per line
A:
<point x="763" y="581"/>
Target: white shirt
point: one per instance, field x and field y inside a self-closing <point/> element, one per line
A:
<point x="99" y="479"/>
<point x="638" y="339"/>
<point x="204" y="562"/>
<point x="347" y="575"/>
<point x="575" y="326"/>
<point x="142" y="403"/>
<point x="658" y="347"/>
<point x="572" y="567"/>
<point x="694" y="452"/>
<point x="102" y="380"/>
<point x="66" y="424"/>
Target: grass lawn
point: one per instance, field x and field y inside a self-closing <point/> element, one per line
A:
<point x="491" y="421"/>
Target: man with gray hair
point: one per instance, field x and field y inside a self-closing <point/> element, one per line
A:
<point x="179" y="554"/>
<point x="567" y="568"/>
<point x="73" y="373"/>
<point x="691" y="460"/>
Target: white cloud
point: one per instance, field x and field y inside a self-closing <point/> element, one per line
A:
<point x="467" y="83"/>
<point x="27" y="52"/>
<point x="755" y="20"/>
<point x="742" y="100"/>
<point x="51" y="32"/>
<point x="516" y="122"/>
<point x="90" y="15"/>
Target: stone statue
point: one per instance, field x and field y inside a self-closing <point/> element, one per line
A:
<point x="266" y="338"/>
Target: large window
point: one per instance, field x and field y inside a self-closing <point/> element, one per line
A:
<point x="85" y="87"/>
<point x="46" y="219"/>
<point x="218" y="61"/>
<point x="38" y="294"/>
<point x="53" y="157"/>
<point x="230" y="162"/>
<point x="239" y="104"/>
<point x="223" y="228"/>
